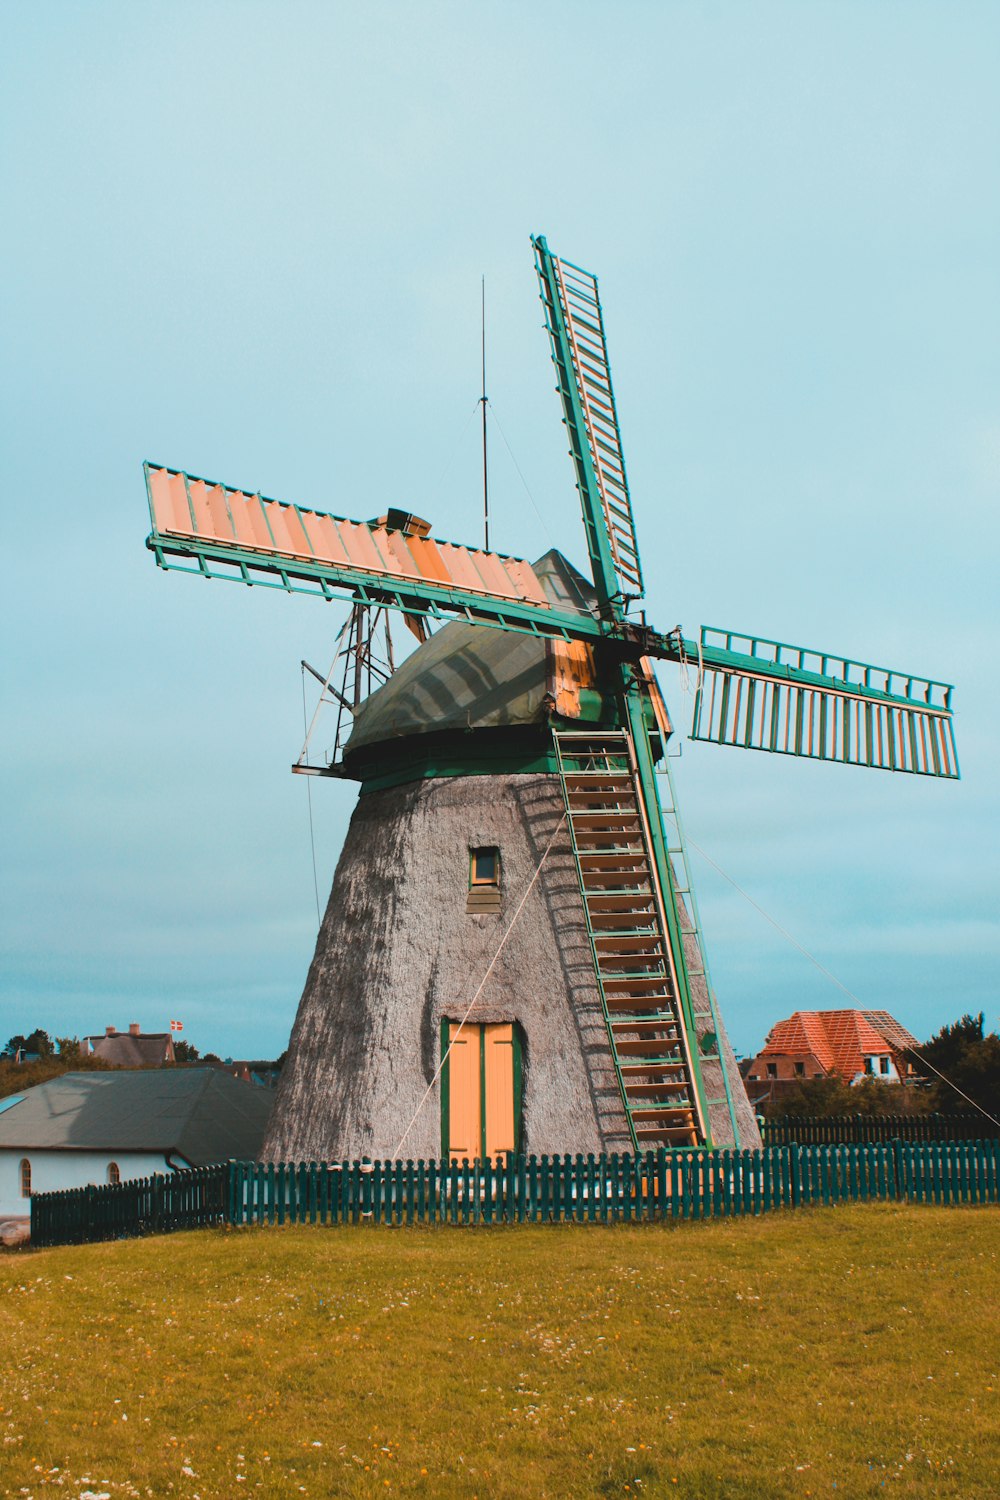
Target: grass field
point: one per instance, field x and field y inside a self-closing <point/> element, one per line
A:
<point x="845" y="1352"/>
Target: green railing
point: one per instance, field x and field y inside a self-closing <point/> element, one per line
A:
<point x="526" y="1189"/>
<point x="808" y="1130"/>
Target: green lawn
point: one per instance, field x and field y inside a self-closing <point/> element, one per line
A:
<point x="852" y="1351"/>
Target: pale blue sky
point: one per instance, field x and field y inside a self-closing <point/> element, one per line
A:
<point x="247" y="240"/>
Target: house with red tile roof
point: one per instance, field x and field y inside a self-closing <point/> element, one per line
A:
<point x="845" y="1044"/>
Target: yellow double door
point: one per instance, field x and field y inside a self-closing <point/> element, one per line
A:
<point x="481" y="1087"/>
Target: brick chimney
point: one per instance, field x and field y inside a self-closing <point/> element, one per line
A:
<point x="133" y="1028"/>
<point x="110" y="1031"/>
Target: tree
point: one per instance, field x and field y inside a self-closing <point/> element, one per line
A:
<point x="37" y="1041"/>
<point x="185" y="1052"/>
<point x="830" y="1098"/>
<point x="963" y="1058"/>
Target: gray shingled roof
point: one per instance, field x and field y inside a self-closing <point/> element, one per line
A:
<point x="202" y="1114"/>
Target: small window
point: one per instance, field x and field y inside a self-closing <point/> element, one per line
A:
<point x="869" y="1064"/>
<point x="484" y="881"/>
<point x="800" y="1070"/>
<point x="114" y="1175"/>
<point x="883" y="1066"/>
<point x="772" y="1070"/>
<point x="484" y="868"/>
<point x="26" y="1178"/>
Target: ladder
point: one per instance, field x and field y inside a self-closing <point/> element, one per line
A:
<point x="627" y="929"/>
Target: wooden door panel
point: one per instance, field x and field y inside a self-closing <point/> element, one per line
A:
<point x="465" y="1097"/>
<point x="499" y="1070"/>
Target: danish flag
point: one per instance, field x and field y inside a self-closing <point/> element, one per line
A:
<point x="176" y="1026"/>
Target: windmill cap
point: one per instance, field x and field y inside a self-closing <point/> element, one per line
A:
<point x="466" y="677"/>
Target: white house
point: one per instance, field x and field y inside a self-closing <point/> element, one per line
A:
<point x="108" y="1127"/>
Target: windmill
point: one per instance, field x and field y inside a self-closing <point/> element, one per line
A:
<point x="512" y="934"/>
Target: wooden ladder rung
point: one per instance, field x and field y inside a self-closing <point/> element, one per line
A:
<point x="642" y="965"/>
<point x="652" y="1091"/>
<point x="641" y="1068"/>
<point x="620" y="982"/>
<point x="668" y="1115"/>
<point x="647" y="1031"/>
<point x="600" y="843"/>
<point x="620" y="898"/>
<point x="621" y="1005"/>
<point x="620" y="944"/>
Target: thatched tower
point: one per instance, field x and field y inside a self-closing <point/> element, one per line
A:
<point x="459" y="828"/>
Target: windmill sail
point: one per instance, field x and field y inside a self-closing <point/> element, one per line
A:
<point x="758" y="694"/>
<point x="222" y="532"/>
<point x="579" y="349"/>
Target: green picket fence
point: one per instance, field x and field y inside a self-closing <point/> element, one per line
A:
<point x="146" y="1205"/>
<point x="808" y="1130"/>
<point x="655" y="1186"/>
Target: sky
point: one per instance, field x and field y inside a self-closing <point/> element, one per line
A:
<point x="247" y="240"/>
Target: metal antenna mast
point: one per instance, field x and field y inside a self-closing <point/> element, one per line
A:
<point x="482" y="402"/>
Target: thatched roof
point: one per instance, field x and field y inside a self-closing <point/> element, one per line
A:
<point x="130" y="1049"/>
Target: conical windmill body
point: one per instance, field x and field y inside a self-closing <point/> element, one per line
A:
<point x="510" y="957"/>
